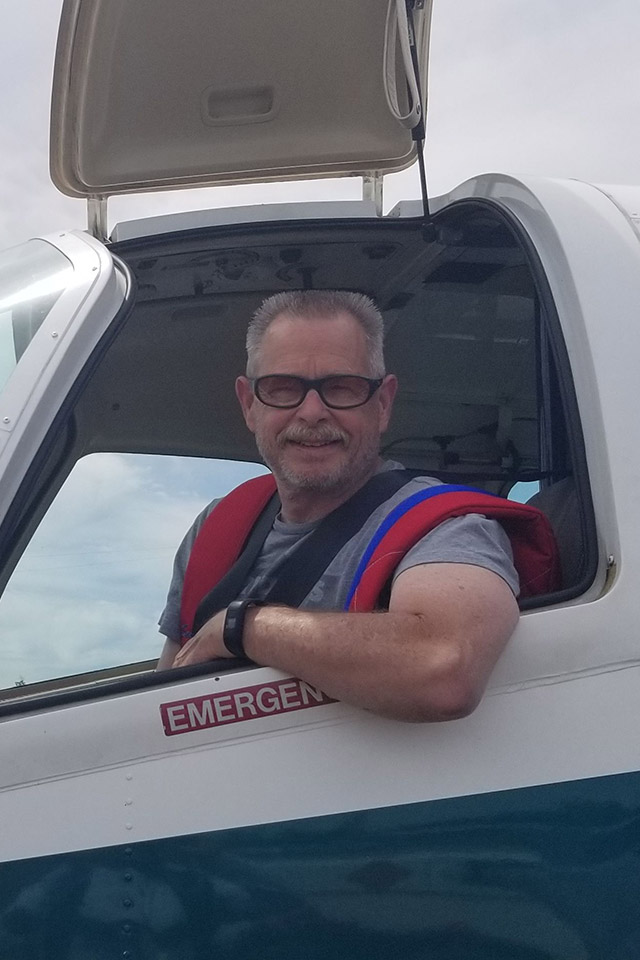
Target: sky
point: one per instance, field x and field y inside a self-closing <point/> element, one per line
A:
<point x="545" y="88"/>
<point x="97" y="569"/>
<point x="549" y="88"/>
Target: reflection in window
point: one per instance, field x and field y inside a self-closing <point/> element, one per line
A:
<point x="32" y="277"/>
<point x="522" y="491"/>
<point x="90" y="587"/>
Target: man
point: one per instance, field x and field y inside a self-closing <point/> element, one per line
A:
<point x="452" y="604"/>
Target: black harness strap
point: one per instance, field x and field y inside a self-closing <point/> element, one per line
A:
<point x="306" y="564"/>
<point x="228" y="588"/>
<point x="297" y="574"/>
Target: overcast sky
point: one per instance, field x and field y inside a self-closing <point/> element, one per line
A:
<point x="98" y="567"/>
<point x="550" y="87"/>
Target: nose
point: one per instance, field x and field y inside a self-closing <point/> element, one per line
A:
<point x="312" y="408"/>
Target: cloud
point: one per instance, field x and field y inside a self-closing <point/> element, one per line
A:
<point x="546" y="88"/>
<point x="90" y="587"/>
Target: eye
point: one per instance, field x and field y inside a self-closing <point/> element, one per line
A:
<point x="346" y="391"/>
<point x="279" y="391"/>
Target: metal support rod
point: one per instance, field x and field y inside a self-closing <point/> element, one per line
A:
<point x="97" y="217"/>
<point x="372" y="189"/>
<point x="419" y="131"/>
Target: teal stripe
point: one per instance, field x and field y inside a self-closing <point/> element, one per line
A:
<point x="530" y="874"/>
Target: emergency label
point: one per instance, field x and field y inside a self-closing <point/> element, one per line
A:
<point x="234" y="706"/>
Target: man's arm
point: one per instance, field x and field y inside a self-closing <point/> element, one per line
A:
<point x="428" y="658"/>
<point x="169" y="652"/>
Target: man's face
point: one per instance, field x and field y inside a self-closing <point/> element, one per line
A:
<point x="312" y="446"/>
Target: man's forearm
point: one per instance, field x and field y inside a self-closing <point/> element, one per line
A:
<point x="390" y="663"/>
<point x="428" y="658"/>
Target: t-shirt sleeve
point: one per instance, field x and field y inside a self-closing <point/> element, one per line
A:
<point x="169" y="622"/>
<point x="469" y="539"/>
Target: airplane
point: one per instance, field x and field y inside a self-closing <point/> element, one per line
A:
<point x="229" y="810"/>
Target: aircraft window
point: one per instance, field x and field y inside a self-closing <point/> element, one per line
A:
<point x="522" y="491"/>
<point x="485" y="398"/>
<point x="32" y="277"/>
<point x="89" y="588"/>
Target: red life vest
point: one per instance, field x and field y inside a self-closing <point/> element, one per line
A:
<point x="227" y="527"/>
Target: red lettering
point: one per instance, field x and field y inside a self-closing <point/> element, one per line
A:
<point x="249" y="703"/>
<point x="202" y="717"/>
<point x="244" y="701"/>
<point x="290" y="694"/>
<point x="174" y="715"/>
<point x="272" y="705"/>
<point x="222" y="704"/>
<point x="310" y="693"/>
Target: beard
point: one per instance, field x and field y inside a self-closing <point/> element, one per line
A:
<point x="349" y="472"/>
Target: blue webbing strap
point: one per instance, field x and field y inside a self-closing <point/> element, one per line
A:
<point x="393" y="518"/>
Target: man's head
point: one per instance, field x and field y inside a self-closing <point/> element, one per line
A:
<point x="319" y="304"/>
<point x="323" y="443"/>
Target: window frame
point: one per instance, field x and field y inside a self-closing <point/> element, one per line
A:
<point x="27" y="504"/>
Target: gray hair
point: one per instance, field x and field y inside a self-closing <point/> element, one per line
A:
<point x="306" y="304"/>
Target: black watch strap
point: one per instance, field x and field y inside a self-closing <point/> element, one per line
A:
<point x="233" y="628"/>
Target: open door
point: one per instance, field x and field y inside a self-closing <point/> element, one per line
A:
<point x="150" y="96"/>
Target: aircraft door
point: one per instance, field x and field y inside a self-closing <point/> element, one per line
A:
<point x="58" y="297"/>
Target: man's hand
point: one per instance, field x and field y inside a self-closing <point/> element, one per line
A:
<point x="205" y="645"/>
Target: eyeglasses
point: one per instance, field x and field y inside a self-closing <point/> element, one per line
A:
<point x="339" y="392"/>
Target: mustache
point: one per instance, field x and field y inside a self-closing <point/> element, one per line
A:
<point x="301" y="434"/>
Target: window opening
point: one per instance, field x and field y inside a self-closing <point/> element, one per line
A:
<point x="467" y="320"/>
<point x="88" y="590"/>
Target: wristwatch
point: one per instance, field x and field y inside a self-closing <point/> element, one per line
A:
<point x="234" y="625"/>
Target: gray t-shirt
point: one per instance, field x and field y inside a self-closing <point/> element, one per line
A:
<point x="470" y="539"/>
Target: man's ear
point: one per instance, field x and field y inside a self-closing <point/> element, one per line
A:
<point x="246" y="398"/>
<point x="385" y="396"/>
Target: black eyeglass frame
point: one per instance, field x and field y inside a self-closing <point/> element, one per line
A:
<point x="373" y="384"/>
